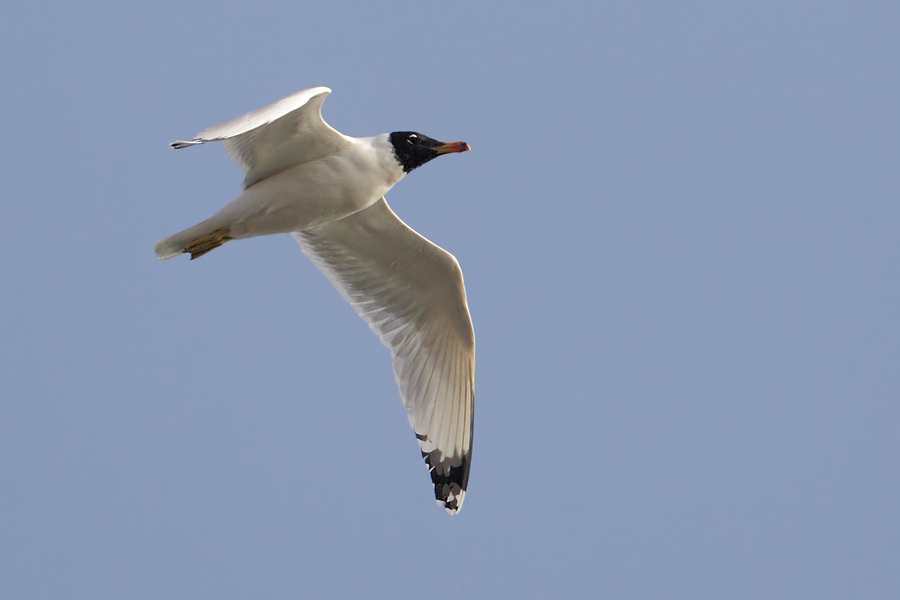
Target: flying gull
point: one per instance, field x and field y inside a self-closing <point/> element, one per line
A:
<point x="327" y="190"/>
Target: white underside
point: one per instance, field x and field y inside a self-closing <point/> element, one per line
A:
<point x="302" y="196"/>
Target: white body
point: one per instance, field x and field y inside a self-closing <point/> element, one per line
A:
<point x="313" y="193"/>
<point x="303" y="196"/>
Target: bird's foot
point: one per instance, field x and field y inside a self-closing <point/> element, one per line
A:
<point x="202" y="245"/>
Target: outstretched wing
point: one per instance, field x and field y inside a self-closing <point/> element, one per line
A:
<point x="411" y="294"/>
<point x="273" y="138"/>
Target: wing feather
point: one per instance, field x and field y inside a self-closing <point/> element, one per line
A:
<point x="278" y="136"/>
<point x="411" y="294"/>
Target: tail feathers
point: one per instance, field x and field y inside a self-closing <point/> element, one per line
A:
<point x="196" y="241"/>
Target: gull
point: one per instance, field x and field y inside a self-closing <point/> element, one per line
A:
<point x="327" y="190"/>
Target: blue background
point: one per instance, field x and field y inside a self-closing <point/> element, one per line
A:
<point x="679" y="233"/>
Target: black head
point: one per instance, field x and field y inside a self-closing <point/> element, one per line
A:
<point x="414" y="149"/>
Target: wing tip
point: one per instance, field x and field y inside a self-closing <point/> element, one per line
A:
<point x="449" y="483"/>
<point x="453" y="503"/>
<point x="178" y="144"/>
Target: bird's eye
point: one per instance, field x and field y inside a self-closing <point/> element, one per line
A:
<point x="411" y="137"/>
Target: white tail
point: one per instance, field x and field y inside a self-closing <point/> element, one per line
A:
<point x="174" y="245"/>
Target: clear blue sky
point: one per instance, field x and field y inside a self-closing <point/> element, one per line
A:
<point x="678" y="227"/>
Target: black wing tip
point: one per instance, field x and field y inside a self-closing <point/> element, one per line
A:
<point x="178" y="144"/>
<point x="449" y="486"/>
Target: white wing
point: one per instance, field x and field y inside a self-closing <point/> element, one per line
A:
<point x="411" y="294"/>
<point x="273" y="138"/>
